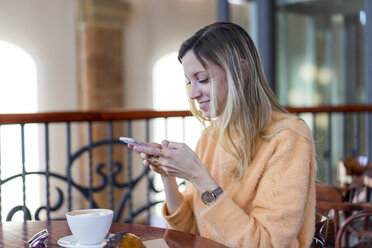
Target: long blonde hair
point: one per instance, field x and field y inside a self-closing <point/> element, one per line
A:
<point x="250" y="100"/>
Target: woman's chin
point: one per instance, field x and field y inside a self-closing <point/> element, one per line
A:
<point x="209" y="116"/>
<point x="206" y="114"/>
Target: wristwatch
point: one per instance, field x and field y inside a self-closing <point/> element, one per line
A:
<point x="208" y="196"/>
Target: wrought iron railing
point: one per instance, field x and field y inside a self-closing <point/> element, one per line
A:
<point x="84" y="175"/>
<point x="339" y="132"/>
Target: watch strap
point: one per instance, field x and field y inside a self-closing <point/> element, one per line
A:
<point x="217" y="191"/>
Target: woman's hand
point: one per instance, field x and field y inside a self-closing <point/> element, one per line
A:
<point x="177" y="160"/>
<point x="148" y="159"/>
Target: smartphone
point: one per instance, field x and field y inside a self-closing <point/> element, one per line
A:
<point x="131" y="141"/>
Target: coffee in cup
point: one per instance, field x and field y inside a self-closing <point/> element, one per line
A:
<point x="90" y="226"/>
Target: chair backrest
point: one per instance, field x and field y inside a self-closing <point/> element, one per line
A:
<point x="326" y="192"/>
<point x="360" y="169"/>
<point x="327" y="198"/>
<point x="330" y="202"/>
<point x="356" y="166"/>
<point x="358" y="225"/>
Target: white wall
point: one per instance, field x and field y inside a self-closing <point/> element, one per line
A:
<point x="46" y="30"/>
<point x="154" y="29"/>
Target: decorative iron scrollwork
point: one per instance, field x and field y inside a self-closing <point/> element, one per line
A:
<point x="105" y="180"/>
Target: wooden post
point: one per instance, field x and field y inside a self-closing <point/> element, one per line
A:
<point x="100" y="41"/>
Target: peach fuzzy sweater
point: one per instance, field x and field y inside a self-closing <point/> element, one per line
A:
<point x="274" y="203"/>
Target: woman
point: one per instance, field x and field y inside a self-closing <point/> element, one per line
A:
<point x="250" y="181"/>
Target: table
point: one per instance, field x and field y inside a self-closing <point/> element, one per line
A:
<point x="16" y="234"/>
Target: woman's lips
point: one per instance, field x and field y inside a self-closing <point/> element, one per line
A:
<point x="204" y="105"/>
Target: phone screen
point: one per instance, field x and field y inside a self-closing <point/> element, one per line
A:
<point x="131" y="141"/>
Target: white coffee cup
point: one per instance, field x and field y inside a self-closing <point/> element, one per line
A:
<point x="90" y="226"/>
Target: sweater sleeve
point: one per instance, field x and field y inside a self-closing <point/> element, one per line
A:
<point x="277" y="211"/>
<point x="183" y="219"/>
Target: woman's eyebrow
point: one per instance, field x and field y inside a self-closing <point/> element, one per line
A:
<point x="198" y="72"/>
<point x="194" y="74"/>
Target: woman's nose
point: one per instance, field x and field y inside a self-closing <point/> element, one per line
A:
<point x="194" y="91"/>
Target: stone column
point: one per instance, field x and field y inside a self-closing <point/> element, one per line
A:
<point x="100" y="30"/>
<point x="100" y="42"/>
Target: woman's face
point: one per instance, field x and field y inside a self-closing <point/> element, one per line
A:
<point x="201" y="83"/>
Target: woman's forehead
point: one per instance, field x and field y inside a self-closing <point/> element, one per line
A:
<point x="191" y="65"/>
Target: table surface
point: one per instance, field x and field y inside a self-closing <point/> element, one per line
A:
<point x="16" y="234"/>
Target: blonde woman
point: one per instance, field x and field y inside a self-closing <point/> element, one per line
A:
<point x="250" y="181"/>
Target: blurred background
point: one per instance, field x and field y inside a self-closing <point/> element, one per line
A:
<point x="313" y="51"/>
<point x="73" y="55"/>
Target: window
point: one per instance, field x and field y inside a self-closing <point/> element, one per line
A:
<point x="18" y="94"/>
<point x="169" y="93"/>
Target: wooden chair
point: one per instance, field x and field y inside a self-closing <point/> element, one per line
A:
<point x="360" y="169"/>
<point x="330" y="202"/>
<point x="357" y="227"/>
<point x="356" y="166"/>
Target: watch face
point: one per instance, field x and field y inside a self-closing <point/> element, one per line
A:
<point x="208" y="197"/>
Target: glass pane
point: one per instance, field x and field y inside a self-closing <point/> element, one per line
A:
<point x="320" y="52"/>
<point x="320" y="61"/>
<point x="244" y="13"/>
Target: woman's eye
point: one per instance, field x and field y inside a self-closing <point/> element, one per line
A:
<point x="188" y="82"/>
<point x="203" y="80"/>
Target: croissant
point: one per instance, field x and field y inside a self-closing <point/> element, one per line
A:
<point x="123" y="240"/>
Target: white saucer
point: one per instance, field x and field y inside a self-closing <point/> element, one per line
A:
<point x="70" y="241"/>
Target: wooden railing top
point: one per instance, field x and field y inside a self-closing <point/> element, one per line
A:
<point x="332" y="109"/>
<point x="97" y="115"/>
<point x="136" y="114"/>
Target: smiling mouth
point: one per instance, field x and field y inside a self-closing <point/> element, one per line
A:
<point x="203" y="105"/>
